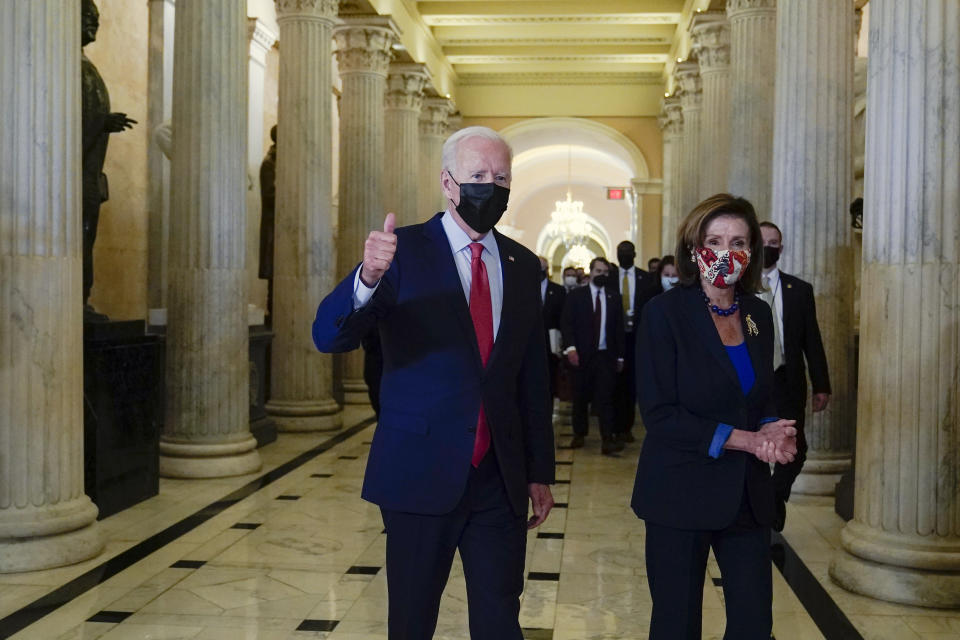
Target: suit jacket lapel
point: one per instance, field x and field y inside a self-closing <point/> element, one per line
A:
<point x="441" y="258"/>
<point x="753" y="341"/>
<point x="508" y="267"/>
<point x="699" y="315"/>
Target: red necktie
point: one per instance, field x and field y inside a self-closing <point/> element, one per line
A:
<point x="597" y="321"/>
<point x="481" y="311"/>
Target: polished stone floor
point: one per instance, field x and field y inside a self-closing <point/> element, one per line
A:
<point x="293" y="552"/>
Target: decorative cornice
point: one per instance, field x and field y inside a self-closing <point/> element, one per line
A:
<point x="405" y="86"/>
<point x="711" y="40"/>
<point x="563" y="78"/>
<point x="601" y="18"/>
<point x="259" y="34"/>
<point x="325" y="10"/>
<point x="364" y="44"/>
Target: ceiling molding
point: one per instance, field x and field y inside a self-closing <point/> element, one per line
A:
<point x="493" y="40"/>
<point x="571" y="78"/>
<point x="609" y="18"/>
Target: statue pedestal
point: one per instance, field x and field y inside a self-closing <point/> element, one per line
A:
<point x="262" y="427"/>
<point x="123" y="393"/>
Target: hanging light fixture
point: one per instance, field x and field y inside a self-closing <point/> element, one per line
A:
<point x="568" y="221"/>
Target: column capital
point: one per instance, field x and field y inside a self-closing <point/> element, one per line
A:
<point x="454" y="120"/>
<point x="688" y="76"/>
<point x="325" y="10"/>
<point x="711" y="40"/>
<point x="737" y="9"/>
<point x="365" y="43"/>
<point x="671" y="116"/>
<point x="433" y="116"/>
<point x="405" y="86"/>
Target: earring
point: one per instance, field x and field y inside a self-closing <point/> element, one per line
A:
<point x="693" y="258"/>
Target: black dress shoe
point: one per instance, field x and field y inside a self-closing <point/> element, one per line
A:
<point x="577" y="442"/>
<point x="780" y="519"/>
<point x="626" y="436"/>
<point x="610" y="447"/>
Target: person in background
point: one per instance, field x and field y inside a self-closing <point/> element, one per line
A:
<point x="593" y="340"/>
<point x="798" y="350"/>
<point x="571" y="278"/>
<point x="667" y="274"/>
<point x="653" y="264"/>
<point x="633" y="287"/>
<point x="703" y="479"/>
<point x="583" y="278"/>
<point x="551" y="297"/>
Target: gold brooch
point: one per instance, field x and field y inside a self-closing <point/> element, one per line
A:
<point x="752" y="326"/>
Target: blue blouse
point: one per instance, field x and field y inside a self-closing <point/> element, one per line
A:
<point x="740" y="357"/>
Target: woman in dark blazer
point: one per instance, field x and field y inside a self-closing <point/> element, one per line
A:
<point x="703" y="479"/>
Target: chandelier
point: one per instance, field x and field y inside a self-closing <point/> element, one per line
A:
<point x="578" y="256"/>
<point x="568" y="221"/>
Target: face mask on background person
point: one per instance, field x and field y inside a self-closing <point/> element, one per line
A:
<point x="481" y="203"/>
<point x="669" y="282"/>
<point x="570" y="281"/>
<point x="771" y="255"/>
<point x="722" y="268"/>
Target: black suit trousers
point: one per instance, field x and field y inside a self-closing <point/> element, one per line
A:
<point x="492" y="541"/>
<point x="792" y="406"/>
<point x="594" y="382"/>
<point x="625" y="392"/>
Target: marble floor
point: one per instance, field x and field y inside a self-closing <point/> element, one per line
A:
<point x="292" y="552"/>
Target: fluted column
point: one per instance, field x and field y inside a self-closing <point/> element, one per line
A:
<point x="904" y="541"/>
<point x="711" y="41"/>
<point x="671" y="124"/>
<point x="45" y="518"/>
<point x="402" y="124"/>
<point x="363" y="57"/>
<point x="812" y="177"/>
<point x="691" y="99"/>
<point x="301" y="379"/>
<point x="753" y="67"/>
<point x="433" y="131"/>
<point x="207" y="430"/>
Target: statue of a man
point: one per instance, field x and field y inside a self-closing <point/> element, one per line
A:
<point x="268" y="196"/>
<point x="98" y="124"/>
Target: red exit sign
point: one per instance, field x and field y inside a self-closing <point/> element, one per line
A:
<point x="615" y="193"/>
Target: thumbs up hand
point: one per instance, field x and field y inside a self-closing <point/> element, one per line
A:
<point x="378" y="252"/>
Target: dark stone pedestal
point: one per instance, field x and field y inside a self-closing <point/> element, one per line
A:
<point x="843" y="499"/>
<point x="262" y="426"/>
<point x="123" y="383"/>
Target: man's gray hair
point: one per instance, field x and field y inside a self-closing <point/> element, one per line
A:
<point x="450" y="146"/>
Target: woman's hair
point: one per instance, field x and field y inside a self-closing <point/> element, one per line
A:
<point x="665" y="261"/>
<point x="693" y="229"/>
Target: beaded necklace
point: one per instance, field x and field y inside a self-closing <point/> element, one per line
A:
<point x="723" y="313"/>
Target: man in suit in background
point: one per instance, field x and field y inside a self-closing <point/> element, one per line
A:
<point x="798" y="349"/>
<point x="465" y="435"/>
<point x="634" y="287"/>
<point x="592" y="327"/>
<point x="552" y="296"/>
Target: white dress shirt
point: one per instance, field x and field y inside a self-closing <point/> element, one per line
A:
<point x="462" y="258"/>
<point x="603" y="313"/>
<point x="776" y="286"/>
<point x="543" y="290"/>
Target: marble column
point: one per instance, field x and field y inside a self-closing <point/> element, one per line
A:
<point x="159" y="111"/>
<point x="904" y="541"/>
<point x="207" y="429"/>
<point x="301" y="380"/>
<point x="671" y="124"/>
<point x="404" y="98"/>
<point x="691" y="99"/>
<point x="433" y="132"/>
<point x="711" y="41"/>
<point x="363" y="56"/>
<point x="45" y="518"/>
<point x="753" y="67"/>
<point x="812" y="177"/>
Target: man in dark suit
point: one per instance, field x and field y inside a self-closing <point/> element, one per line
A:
<point x="552" y="296"/>
<point x="798" y="350"/>
<point x="634" y="287"/>
<point x="592" y="327"/>
<point x="464" y="436"/>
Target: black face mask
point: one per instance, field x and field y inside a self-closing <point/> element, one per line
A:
<point x="770" y="256"/>
<point x="600" y="281"/>
<point x="481" y="204"/>
<point x="626" y="259"/>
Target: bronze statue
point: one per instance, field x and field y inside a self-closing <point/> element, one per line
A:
<point x="98" y="124"/>
<point x="268" y="198"/>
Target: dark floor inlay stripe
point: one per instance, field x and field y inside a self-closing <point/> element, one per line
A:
<point x="543" y="575"/>
<point x="347" y="458"/>
<point x="531" y="633"/>
<point x="288" y="497"/>
<point x="564" y="447"/>
<point x="188" y="564"/>
<point x="565" y="462"/>
<point x="359" y="570"/>
<point x="110" y="616"/>
<point x="559" y="505"/>
<point x="562" y="481"/>
<point x="318" y="625"/>
<point x="321" y="475"/>
<point x="49" y="603"/>
<point x="549" y="536"/>
<point x="246" y="525"/>
<point x="717" y="582"/>
<point x="826" y="614"/>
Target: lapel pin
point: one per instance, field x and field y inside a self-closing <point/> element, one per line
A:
<point x="752" y="326"/>
<point x="789" y="286"/>
<point x="510" y="258"/>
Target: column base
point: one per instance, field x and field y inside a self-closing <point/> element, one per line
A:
<point x="292" y="416"/>
<point x="37" y="538"/>
<point x="916" y="587"/>
<point x="180" y="459"/>
<point x="355" y="391"/>
<point x="820" y="476"/>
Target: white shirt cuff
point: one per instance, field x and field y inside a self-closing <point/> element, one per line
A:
<point x="361" y="292"/>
